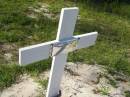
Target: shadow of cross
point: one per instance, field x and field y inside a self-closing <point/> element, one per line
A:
<point x="58" y="49"/>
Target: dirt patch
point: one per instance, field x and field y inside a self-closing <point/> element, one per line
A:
<point x="79" y="80"/>
<point x="41" y="9"/>
<point x="8" y="53"/>
<point x="82" y="80"/>
<point x="27" y="87"/>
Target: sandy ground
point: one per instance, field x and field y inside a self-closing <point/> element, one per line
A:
<point x="78" y="83"/>
<point x="27" y="87"/>
<point x="79" y="80"/>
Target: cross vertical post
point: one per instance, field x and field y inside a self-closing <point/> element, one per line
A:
<point x="66" y="28"/>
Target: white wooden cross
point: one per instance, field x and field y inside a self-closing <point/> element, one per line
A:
<point x="58" y="49"/>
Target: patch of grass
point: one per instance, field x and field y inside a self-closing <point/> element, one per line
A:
<point x="56" y="6"/>
<point x="37" y="68"/>
<point x="111" y="81"/>
<point x="127" y="93"/>
<point x="121" y="64"/>
<point x="104" y="90"/>
<point x="116" y="7"/>
<point x="12" y="36"/>
<point x="43" y="83"/>
<point x="9" y="75"/>
<point x="16" y="26"/>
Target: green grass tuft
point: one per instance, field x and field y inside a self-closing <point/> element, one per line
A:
<point x="9" y="75"/>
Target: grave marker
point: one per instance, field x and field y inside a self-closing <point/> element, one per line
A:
<point x="58" y="49"/>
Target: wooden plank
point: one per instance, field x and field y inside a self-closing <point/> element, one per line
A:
<point x="67" y="23"/>
<point x="34" y="53"/>
<point x="56" y="73"/>
<point x="86" y="40"/>
<point x="65" y="31"/>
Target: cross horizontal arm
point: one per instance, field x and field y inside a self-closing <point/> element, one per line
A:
<point x="35" y="53"/>
<point x="42" y="51"/>
<point x="86" y="40"/>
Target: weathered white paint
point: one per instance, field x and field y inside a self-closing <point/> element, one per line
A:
<point x="86" y="40"/>
<point x="56" y="73"/>
<point x="66" y="28"/>
<point x="42" y="51"/>
<point x="67" y="23"/>
<point x="34" y="53"/>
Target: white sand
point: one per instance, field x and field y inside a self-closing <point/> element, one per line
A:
<point x="26" y="88"/>
<point x="79" y="80"/>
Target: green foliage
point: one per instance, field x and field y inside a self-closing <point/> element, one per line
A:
<point x="127" y="93"/>
<point x="120" y="64"/>
<point x="16" y="26"/>
<point x="104" y="1"/>
<point x="43" y="83"/>
<point x="111" y="81"/>
<point x="8" y="75"/>
<point x="104" y="90"/>
<point x="38" y="67"/>
<point x="119" y="7"/>
<point x="12" y="36"/>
